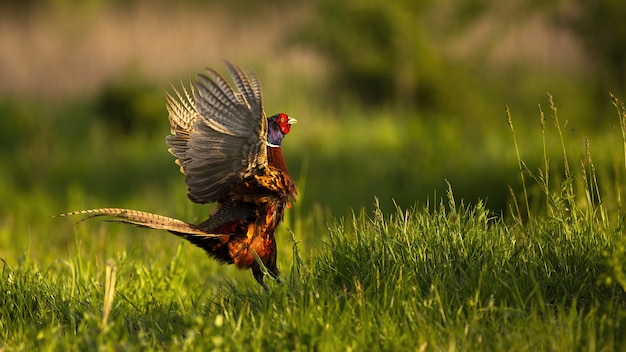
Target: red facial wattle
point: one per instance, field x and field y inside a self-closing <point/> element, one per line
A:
<point x="284" y="122"/>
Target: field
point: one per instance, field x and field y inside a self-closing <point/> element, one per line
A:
<point x="494" y="221"/>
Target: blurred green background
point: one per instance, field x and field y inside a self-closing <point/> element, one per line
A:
<point x="393" y="98"/>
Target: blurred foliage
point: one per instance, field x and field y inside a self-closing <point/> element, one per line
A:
<point x="131" y="104"/>
<point x="27" y="5"/>
<point x="389" y="55"/>
<point x="435" y="119"/>
<point x="600" y="26"/>
<point x="53" y="148"/>
<point x="378" y="52"/>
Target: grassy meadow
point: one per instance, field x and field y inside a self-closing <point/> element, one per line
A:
<point x="494" y="222"/>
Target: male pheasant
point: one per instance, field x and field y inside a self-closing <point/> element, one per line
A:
<point x="230" y="153"/>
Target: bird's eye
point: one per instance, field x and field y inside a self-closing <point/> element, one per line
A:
<point x="282" y="119"/>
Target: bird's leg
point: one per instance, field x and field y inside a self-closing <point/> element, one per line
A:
<point x="273" y="270"/>
<point x="271" y="262"/>
<point x="258" y="271"/>
<point x="258" y="274"/>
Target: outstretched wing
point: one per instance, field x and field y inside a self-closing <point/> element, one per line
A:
<point x="218" y="133"/>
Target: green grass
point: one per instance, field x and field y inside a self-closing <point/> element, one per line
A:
<point x="442" y="274"/>
<point x="448" y="277"/>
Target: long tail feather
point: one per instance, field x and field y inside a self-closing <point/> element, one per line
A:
<point x="143" y="219"/>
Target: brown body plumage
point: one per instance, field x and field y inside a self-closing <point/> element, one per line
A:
<point x="230" y="153"/>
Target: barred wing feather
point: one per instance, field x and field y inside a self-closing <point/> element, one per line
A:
<point x="218" y="133"/>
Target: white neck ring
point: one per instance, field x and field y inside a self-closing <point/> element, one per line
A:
<point x="272" y="145"/>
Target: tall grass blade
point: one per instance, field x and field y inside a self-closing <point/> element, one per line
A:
<point x="509" y="119"/>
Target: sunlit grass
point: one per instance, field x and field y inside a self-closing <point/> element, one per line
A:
<point x="439" y="274"/>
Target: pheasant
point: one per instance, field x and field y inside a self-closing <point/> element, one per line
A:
<point x="230" y="154"/>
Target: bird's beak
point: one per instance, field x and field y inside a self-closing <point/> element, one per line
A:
<point x="292" y="121"/>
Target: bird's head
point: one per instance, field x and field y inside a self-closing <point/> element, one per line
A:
<point x="278" y="126"/>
